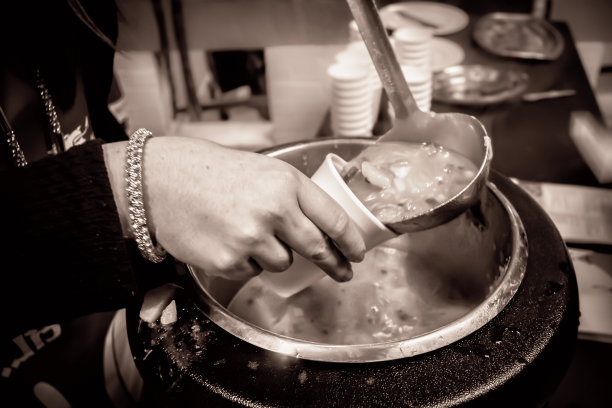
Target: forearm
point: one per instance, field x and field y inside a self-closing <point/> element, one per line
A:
<point x="114" y="157"/>
<point x="66" y="253"/>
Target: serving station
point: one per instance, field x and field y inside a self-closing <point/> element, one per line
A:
<point x="516" y="356"/>
<point x="515" y="344"/>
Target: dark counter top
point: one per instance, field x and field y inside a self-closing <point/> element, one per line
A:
<point x="531" y="140"/>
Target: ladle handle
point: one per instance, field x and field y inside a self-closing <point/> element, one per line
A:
<point x="383" y="56"/>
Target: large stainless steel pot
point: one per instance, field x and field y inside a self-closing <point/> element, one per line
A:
<point x="511" y="350"/>
<point x="492" y="260"/>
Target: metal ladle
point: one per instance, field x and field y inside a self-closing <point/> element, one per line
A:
<point x="461" y="133"/>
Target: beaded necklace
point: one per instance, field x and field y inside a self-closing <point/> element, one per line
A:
<point x="57" y="140"/>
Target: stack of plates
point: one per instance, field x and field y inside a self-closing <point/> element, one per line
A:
<point x="444" y="19"/>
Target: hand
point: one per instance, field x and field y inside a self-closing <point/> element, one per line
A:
<point x="233" y="213"/>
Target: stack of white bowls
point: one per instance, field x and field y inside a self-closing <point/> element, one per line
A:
<point x="420" y="84"/>
<point x="351" y="99"/>
<point x="356" y="53"/>
<point x="412" y="46"/>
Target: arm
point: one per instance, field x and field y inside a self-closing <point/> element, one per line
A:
<point x="65" y="254"/>
<point x="228" y="212"/>
<point x="232" y="213"/>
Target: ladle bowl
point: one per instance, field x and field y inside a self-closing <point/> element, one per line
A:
<point x="460" y="133"/>
<point x="456" y="131"/>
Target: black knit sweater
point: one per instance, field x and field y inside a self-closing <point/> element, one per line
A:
<point x="64" y="254"/>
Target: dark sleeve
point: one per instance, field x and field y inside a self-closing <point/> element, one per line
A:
<point x="65" y="254"/>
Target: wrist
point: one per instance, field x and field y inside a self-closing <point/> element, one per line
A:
<point x="115" y="157"/>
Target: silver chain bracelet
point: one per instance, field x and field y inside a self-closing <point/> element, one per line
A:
<point x="138" y="218"/>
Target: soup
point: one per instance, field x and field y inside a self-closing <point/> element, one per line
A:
<point x="408" y="286"/>
<point x="399" y="180"/>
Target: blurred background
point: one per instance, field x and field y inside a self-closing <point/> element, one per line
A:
<point x="192" y="63"/>
<point x="229" y="71"/>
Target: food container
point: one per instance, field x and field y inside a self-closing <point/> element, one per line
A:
<point x="518" y="35"/>
<point x="511" y="348"/>
<point x="478" y="85"/>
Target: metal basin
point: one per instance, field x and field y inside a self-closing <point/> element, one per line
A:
<point x="482" y="255"/>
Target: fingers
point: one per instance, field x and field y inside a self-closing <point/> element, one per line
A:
<point x="219" y="260"/>
<point x="329" y="217"/>
<point x="238" y="270"/>
<point x="310" y="242"/>
<point x="266" y="253"/>
<point x="274" y="255"/>
<point x="331" y="260"/>
<point x="323" y="233"/>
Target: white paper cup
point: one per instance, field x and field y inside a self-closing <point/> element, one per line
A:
<point x="348" y="112"/>
<point x="421" y="49"/>
<point x="416" y="75"/>
<point x="351" y="96"/>
<point x="363" y="129"/>
<point x="413" y="45"/>
<point x="405" y="59"/>
<point x="420" y="89"/>
<point x="412" y="35"/>
<point x="410" y="59"/>
<point x="345" y="74"/>
<point x="364" y="124"/>
<point x="351" y="99"/>
<point x="351" y="112"/>
<point x="357" y="53"/>
<point x="354" y="34"/>
<point x="359" y="48"/>
<point x="374" y="232"/>
<point x="366" y="131"/>
<point x="354" y="92"/>
<point x="376" y="97"/>
<point x="419" y="79"/>
<point x="351" y="123"/>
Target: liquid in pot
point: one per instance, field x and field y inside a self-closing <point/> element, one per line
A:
<point x="408" y="286"/>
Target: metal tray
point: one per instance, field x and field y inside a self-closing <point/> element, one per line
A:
<point x="518" y="35"/>
<point x="478" y="85"/>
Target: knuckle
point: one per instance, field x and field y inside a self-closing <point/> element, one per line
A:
<point x="281" y="263"/>
<point x="285" y="178"/>
<point x="282" y="257"/>
<point x="340" y="225"/>
<point x="285" y="260"/>
<point x="226" y="262"/>
<point x="276" y="214"/>
<point x="320" y="251"/>
<point x="251" y="234"/>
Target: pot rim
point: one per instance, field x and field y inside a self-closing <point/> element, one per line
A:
<point x="507" y="285"/>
